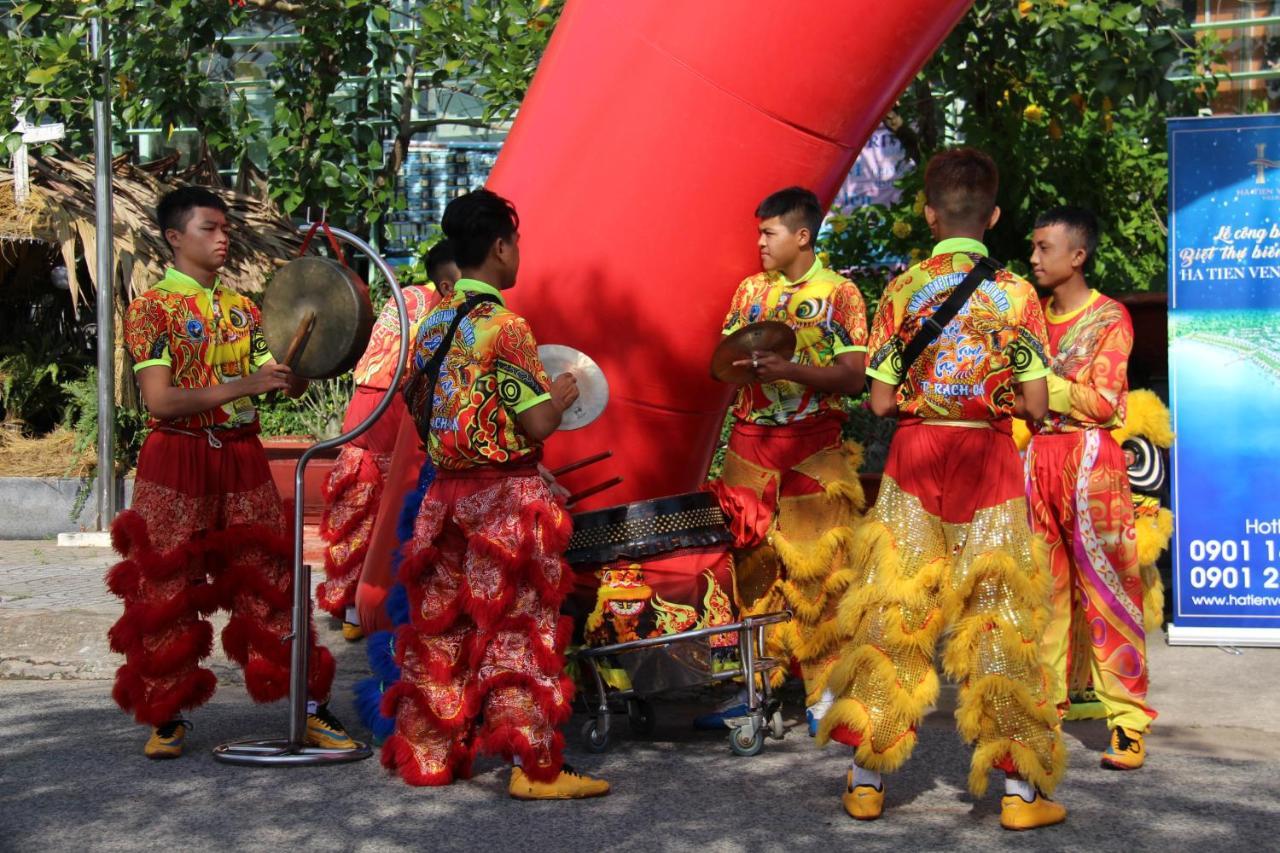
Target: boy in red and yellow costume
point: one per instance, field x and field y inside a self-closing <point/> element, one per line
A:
<point x="353" y="491"/>
<point x="484" y="570"/>
<point x="1078" y="487"/>
<point x="789" y="484"/>
<point x="207" y="529"/>
<point x="947" y="548"/>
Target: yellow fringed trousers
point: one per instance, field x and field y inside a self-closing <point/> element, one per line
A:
<point x="946" y="554"/>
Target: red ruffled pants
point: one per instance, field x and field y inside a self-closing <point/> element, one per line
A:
<point x="206" y="531"/>
<point x="485" y="576"/>
<point x="352" y="495"/>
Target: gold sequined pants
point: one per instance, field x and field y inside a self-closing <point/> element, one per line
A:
<point x="946" y="553"/>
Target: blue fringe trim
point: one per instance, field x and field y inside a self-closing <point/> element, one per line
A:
<point x="382" y="656"/>
<point x="368" y="706"/>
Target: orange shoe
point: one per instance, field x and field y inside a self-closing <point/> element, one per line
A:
<point x="166" y="741"/>
<point x="1126" y="750"/>
<point x="863" y="802"/>
<point x="569" y="785"/>
<point x="1017" y="814"/>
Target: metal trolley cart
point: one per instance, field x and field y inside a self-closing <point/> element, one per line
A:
<point x="673" y="667"/>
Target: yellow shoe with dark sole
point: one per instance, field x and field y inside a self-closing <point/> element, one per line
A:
<point x="863" y="802"/>
<point x="351" y="632"/>
<point x="1126" y="750"/>
<point x="324" y="731"/>
<point x="166" y="741"/>
<point x="569" y="785"/>
<point x="1017" y="814"/>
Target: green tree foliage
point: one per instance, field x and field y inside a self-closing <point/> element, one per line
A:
<point x="1070" y="98"/>
<point x="344" y="83"/>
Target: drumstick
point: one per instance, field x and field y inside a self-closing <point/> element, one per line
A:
<point x="582" y="463"/>
<point x="594" y="490"/>
<point x="296" y="346"/>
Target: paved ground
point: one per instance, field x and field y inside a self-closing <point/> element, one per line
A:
<point x="72" y="775"/>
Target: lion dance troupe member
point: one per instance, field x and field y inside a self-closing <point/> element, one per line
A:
<point x="789" y="485"/>
<point x="354" y="489"/>
<point x="484" y="570"/>
<point x="947" y="547"/>
<point x="207" y="529"/>
<point x="1078" y="487"/>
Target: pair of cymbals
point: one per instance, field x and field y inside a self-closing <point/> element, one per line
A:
<point x="765" y="336"/>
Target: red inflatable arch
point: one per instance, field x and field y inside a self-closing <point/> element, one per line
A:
<point x="651" y="131"/>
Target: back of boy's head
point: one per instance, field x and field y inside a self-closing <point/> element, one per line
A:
<point x="797" y="207"/>
<point x="175" y="207"/>
<point x="474" y="222"/>
<point x="1080" y="222"/>
<point x="961" y="185"/>
<point x="439" y="257"/>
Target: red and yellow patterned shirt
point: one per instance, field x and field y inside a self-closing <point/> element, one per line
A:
<point x="491" y="374"/>
<point x="378" y="364"/>
<point x="1089" y="356"/>
<point x="205" y="336"/>
<point x="829" y="318"/>
<point x="969" y="372"/>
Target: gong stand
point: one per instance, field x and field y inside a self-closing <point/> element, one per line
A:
<point x="292" y="750"/>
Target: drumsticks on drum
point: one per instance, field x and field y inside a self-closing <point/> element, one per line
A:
<point x="593" y="490"/>
<point x="582" y="463"/>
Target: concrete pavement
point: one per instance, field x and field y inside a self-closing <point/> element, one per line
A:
<point x="72" y="775"/>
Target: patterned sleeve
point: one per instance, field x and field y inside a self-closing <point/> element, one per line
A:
<point x="1030" y="346"/>
<point x="884" y="343"/>
<point x="737" y="316"/>
<point x="1097" y="395"/>
<point x="146" y="333"/>
<point x="419" y="300"/>
<point x="522" y="380"/>
<point x="848" y="319"/>
<point x="258" y="352"/>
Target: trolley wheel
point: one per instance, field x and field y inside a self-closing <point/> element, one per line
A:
<point x="775" y="726"/>
<point x="593" y="738"/>
<point x="744" y="741"/>
<point x="641" y="717"/>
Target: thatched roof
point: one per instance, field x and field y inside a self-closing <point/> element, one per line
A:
<point x="60" y="211"/>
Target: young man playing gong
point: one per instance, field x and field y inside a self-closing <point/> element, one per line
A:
<point x="789" y="485"/>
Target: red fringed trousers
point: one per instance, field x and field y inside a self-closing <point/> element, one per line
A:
<point x="485" y="576"/>
<point x="206" y="531"/>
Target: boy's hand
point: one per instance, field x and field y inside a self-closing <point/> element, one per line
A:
<point x="564" y="391"/>
<point x="767" y="366"/>
<point x="270" y="377"/>
<point x="559" y="492"/>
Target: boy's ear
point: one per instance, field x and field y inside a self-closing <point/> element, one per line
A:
<point x="805" y="238"/>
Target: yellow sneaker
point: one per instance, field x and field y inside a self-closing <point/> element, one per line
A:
<point x="569" y="785"/>
<point x="166" y="740"/>
<point x="1126" y="750"/>
<point x="863" y="802"/>
<point x="324" y="730"/>
<point x="352" y="632"/>
<point x="1017" y="814"/>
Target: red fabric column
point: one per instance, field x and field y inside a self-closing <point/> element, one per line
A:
<point x="651" y="131"/>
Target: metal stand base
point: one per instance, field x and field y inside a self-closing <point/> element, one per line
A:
<point x="285" y="753"/>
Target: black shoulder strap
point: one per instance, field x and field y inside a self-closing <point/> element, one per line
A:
<point x="931" y="327"/>
<point x="420" y="391"/>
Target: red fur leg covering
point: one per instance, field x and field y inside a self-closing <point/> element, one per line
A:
<point x="352" y="495"/>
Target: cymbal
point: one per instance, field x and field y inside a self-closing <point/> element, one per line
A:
<point x="765" y="336"/>
<point x="593" y="387"/>
<point x="335" y="307"/>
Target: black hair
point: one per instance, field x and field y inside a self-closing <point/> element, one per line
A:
<point x="1078" y="220"/>
<point x="175" y="207"/>
<point x="440" y="255"/>
<point x="960" y="185"/>
<point x="474" y="222"/>
<point x="796" y="206"/>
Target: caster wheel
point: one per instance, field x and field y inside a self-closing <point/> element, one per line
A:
<point x="593" y="738"/>
<point x="641" y="717"/>
<point x="776" y="728"/>
<point x="743" y="741"/>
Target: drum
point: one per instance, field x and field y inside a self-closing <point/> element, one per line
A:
<point x="650" y="569"/>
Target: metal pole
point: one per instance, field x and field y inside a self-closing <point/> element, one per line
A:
<point x="106" y="485"/>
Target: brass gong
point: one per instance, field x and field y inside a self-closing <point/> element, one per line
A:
<point x="765" y="336"/>
<point x="319" y="312"/>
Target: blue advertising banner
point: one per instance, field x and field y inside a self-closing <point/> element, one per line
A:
<point x="1224" y="377"/>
